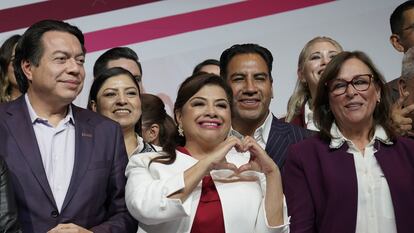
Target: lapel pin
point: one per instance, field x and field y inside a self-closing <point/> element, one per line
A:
<point x="89" y="135"/>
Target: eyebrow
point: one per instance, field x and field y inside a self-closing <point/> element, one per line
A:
<point x="116" y="89"/>
<point x="205" y="99"/>
<point x="237" y="73"/>
<point x="67" y="53"/>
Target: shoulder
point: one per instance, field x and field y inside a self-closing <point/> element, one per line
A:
<point x="403" y="142"/>
<point x="313" y="141"/>
<point x="143" y="160"/>
<point x="12" y="105"/>
<point x="92" y="118"/>
<point x="281" y="127"/>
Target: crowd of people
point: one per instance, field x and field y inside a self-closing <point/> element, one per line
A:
<point x="341" y="160"/>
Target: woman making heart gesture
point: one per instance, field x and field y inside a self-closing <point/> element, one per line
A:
<point x="210" y="182"/>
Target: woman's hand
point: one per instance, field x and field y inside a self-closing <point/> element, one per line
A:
<point x="217" y="159"/>
<point x="260" y="161"/>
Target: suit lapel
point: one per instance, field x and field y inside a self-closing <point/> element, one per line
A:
<point x="21" y="128"/>
<point x="83" y="152"/>
<point x="276" y="141"/>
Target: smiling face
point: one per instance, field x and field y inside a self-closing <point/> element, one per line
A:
<point x="59" y="76"/>
<point x="317" y="56"/>
<point x="206" y="117"/>
<point x="129" y="65"/>
<point x="249" y="78"/>
<point x="354" y="108"/>
<point x="118" y="99"/>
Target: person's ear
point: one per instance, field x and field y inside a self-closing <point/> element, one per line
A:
<point x="178" y="117"/>
<point x="396" y="43"/>
<point x="27" y="69"/>
<point x="402" y="86"/>
<point x="153" y="133"/>
<point x="93" y="105"/>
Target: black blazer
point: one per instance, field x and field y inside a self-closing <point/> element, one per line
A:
<point x="282" y="135"/>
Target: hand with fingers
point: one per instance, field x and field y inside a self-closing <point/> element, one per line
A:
<point x="217" y="159"/>
<point x="260" y="161"/>
<point x="68" y="227"/>
<point x="401" y="116"/>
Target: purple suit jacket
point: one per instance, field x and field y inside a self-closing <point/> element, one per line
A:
<point x="320" y="185"/>
<point x="95" y="197"/>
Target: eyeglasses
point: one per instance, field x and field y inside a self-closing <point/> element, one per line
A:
<point x="360" y="82"/>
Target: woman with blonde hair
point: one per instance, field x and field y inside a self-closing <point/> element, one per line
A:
<point x="313" y="59"/>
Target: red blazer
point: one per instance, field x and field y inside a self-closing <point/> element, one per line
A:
<point x="320" y="185"/>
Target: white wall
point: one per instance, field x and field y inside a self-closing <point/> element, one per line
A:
<point x="356" y="24"/>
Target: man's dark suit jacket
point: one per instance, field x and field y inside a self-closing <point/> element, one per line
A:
<point x="282" y="135"/>
<point x="321" y="186"/>
<point x="95" y="197"/>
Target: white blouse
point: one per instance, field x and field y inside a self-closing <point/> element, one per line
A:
<point x="375" y="212"/>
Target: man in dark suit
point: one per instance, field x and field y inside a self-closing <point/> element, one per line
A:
<point x="66" y="164"/>
<point x="247" y="69"/>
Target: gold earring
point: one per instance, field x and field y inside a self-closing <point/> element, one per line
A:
<point x="180" y="131"/>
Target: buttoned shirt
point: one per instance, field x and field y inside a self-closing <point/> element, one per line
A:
<point x="57" y="148"/>
<point x="375" y="211"/>
<point x="261" y="134"/>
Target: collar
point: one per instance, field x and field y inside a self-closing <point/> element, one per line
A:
<point x="35" y="118"/>
<point x="140" y="146"/>
<point x="308" y="115"/>
<point x="261" y="132"/>
<point x="338" y="139"/>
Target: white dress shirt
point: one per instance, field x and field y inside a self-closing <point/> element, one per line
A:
<point x="261" y="134"/>
<point x="375" y="212"/>
<point x="57" y="148"/>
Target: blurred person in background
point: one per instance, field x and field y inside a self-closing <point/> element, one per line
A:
<point x="9" y="89"/>
<point x="158" y="128"/>
<point x="312" y="62"/>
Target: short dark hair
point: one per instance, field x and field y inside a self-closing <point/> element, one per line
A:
<point x="207" y="62"/>
<point x="323" y="115"/>
<point x="30" y="46"/>
<point x="102" y="78"/>
<point x="187" y="89"/>
<point x="397" y="17"/>
<point x="116" y="53"/>
<point x="237" y="49"/>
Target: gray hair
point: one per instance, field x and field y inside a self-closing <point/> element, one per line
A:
<point x="407" y="71"/>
